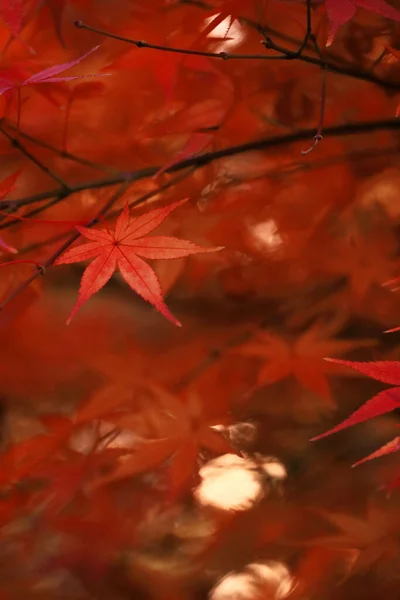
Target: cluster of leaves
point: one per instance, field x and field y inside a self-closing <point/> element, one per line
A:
<point x="176" y="131"/>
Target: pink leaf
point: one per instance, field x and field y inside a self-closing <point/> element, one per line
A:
<point x="341" y="11"/>
<point x="44" y="75"/>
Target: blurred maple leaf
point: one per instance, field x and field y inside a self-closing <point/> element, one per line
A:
<point x="20" y="460"/>
<point x="183" y="434"/>
<point x="301" y="357"/>
<point x="374" y="537"/>
<point x="69" y="474"/>
<point x="341" y="11"/>
<point x="123" y="248"/>
<point x="365" y="264"/>
<point x="12" y="12"/>
<point x="167" y="71"/>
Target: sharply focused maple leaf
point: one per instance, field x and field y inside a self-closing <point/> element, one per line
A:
<point x="301" y="357"/>
<point x="123" y="248"/>
<point x="384" y="402"/>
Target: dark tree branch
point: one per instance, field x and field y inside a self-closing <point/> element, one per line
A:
<point x="62" y="153"/>
<point x="202" y="160"/>
<point x="318" y="135"/>
<point x="15" y="143"/>
<point x="144" y="44"/>
<point x="51" y="260"/>
<point x="283" y="54"/>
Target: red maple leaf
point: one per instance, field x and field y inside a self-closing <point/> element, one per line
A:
<point x="301" y="357"/>
<point x="372" y="538"/>
<point x="123" y="248"/>
<point x="384" y="402"/>
<point x="182" y="436"/>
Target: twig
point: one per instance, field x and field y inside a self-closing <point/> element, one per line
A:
<point x="339" y="70"/>
<point x="214" y="355"/>
<point x="15" y="143"/>
<point x="283" y="54"/>
<point x="62" y="153"/>
<point x="44" y="266"/>
<point x="39" y="266"/>
<point x="31" y="213"/>
<point x="94" y="221"/>
<point x="321" y="164"/>
<point x="291" y="54"/>
<point x="318" y="135"/>
<point x="144" y="44"/>
<point x="206" y="158"/>
<point x="114" y="213"/>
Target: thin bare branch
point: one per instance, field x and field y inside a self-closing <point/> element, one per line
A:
<point x="62" y="153"/>
<point x="206" y="158"/>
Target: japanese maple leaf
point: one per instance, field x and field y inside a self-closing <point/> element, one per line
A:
<point x="123" y="248"/>
<point x="20" y="459"/>
<point x="50" y="75"/>
<point x="341" y="11"/>
<point x="67" y="475"/>
<point x="384" y="402"/>
<point x="374" y="537"/>
<point x="301" y="357"/>
<point x="185" y="433"/>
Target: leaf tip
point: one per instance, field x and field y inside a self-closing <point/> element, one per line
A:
<point x="392" y="330"/>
